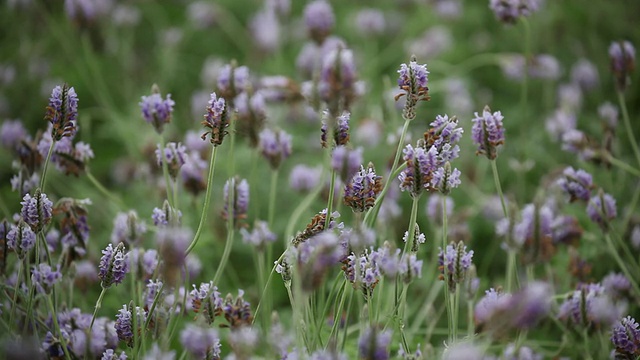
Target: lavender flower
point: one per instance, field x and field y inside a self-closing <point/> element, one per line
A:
<point x="361" y="192"/>
<point x="304" y="178"/>
<point x="166" y="216"/>
<point x="237" y="312"/>
<point x="155" y="110"/>
<point x="157" y="354"/>
<point x="114" y="265"/>
<point x="625" y="336"/>
<point x="488" y="132"/>
<point x="110" y="354"/>
<point x="124" y="323"/>
<point x="316" y="257"/>
<point x="175" y="155"/>
<point x="201" y="343"/>
<point x="509" y="11"/>
<point x="374" y="344"/>
<point x="12" y="132"/>
<point x="585" y="74"/>
<point x="252" y="113"/>
<point x="232" y="80"/>
<point x="23" y="183"/>
<point x="444" y="179"/>
<point x="318" y="224"/>
<point x="44" y="277"/>
<point x="609" y="114"/>
<point x="370" y="22"/>
<point x="534" y="233"/>
<point x="260" y="236"/>
<point x="266" y="30"/>
<point x="206" y="300"/>
<point x="453" y="263"/>
<point x="579" y="307"/>
<point x="421" y="164"/>
<point x="62" y="112"/>
<point x="319" y="20"/>
<point x="127" y="228"/>
<point x="602" y="209"/>
<point x="236" y="196"/>
<point x="340" y="128"/>
<point x="21" y="239"/>
<point x="489" y="304"/>
<point x="275" y="146"/>
<point x="410" y="268"/>
<point x="413" y="81"/>
<point x="216" y="120"/>
<point x="337" y="83"/>
<point x="623" y="62"/>
<point x="577" y="184"/>
<point x="36" y="210"/>
<point x="86" y="274"/>
<point x="172" y="244"/>
<point x="346" y="162"/>
<point x="616" y="285"/>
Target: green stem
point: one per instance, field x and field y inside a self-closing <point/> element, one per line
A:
<point x="511" y="269"/>
<point x="621" y="263"/>
<point x="97" y="307"/>
<point x="155" y="302"/>
<point x="412" y="224"/>
<point x="470" y="327"/>
<point x="207" y="199"/>
<point x="332" y="187"/>
<point x="165" y="171"/>
<point x="104" y="190"/>
<point x="15" y="292"/>
<point x="622" y="165"/>
<point x="266" y="286"/>
<point x="496" y="179"/>
<point x="56" y="327"/>
<point x="447" y="291"/>
<point x="272" y="197"/>
<point x="46" y="165"/>
<point x="227" y="247"/>
<point x="627" y="125"/>
<point x="456" y="311"/>
<point x="337" y="314"/>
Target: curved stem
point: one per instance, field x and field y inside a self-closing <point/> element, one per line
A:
<point x="266" y="286"/>
<point x="207" y="199"/>
<point x="15" y="293"/>
<point x="104" y="190"/>
<point x="496" y="179"/>
<point x="621" y="263"/>
<point x="332" y="187"/>
<point x="227" y="250"/>
<point x="97" y="307"/>
<point x="627" y="125"/>
<point x="46" y="165"/>
<point x="165" y="172"/>
<point x="408" y="246"/>
<point x="622" y="165"/>
<point x="56" y="327"/>
<point x="272" y="197"/>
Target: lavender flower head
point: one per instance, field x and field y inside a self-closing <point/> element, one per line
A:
<point x="577" y="184"/>
<point x="488" y="132"/>
<point x="12" y="132"/>
<point x="374" y="344"/>
<point x="413" y="80"/>
<point x="201" y="343"/>
<point x="609" y="115"/>
<point x="340" y="128"/>
<point x="206" y="300"/>
<point x="232" y="80"/>
<point x="172" y="243"/>
<point x="216" y="120"/>
<point x="625" y="336"/>
<point x="124" y="323"/>
<point x="236" y="196"/>
<point x="319" y="20"/>
<point x="623" y="62"/>
<point x="275" y="146"/>
<point x="21" y="239"/>
<point x="62" y="112"/>
<point x="346" y="162"/>
<point x="260" y="236"/>
<point x="370" y="22"/>
<point x="337" y="83"/>
<point x="304" y="178"/>
<point x="444" y="179"/>
<point x="453" y="263"/>
<point x="114" y="265"/>
<point x="616" y="285"/>
<point x="585" y="74"/>
<point x="155" y="110"/>
<point x="127" y="228"/>
<point x="421" y="164"/>
<point x="361" y="192"/>
<point x="602" y="209"/>
<point x="509" y="11"/>
<point x="36" y="210"/>
<point x="110" y="354"/>
<point x="166" y="216"/>
<point x="175" y="155"/>
<point x="44" y="277"/>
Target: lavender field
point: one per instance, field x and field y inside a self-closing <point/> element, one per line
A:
<point x="322" y="180"/>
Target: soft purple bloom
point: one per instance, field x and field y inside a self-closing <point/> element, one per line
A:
<point x="275" y="146"/>
<point x="588" y="305"/>
<point x="144" y="261"/>
<point x="535" y="221"/>
<point x="509" y="11"/>
<point x="24" y="185"/>
<point x="490" y="303"/>
<point x="338" y="78"/>
<point x="44" y="277"/>
<point x="86" y="274"/>
<point x="488" y="132"/>
<point x="454" y="263"/>
<point x="346" y="162"/>
<point x="625" y="336"/>
<point x="266" y="30"/>
<point x="374" y="344"/>
<point x="569" y="97"/>
<point x="340" y="128"/>
<point x="157" y="111"/>
<point x="206" y="300"/>
<point x="232" y="80"/>
<point x="127" y="228"/>
<point x="124" y="323"/>
<point x="511" y="352"/>
<point x="602" y="209"/>
<point x="577" y="184"/>
<point x="75" y="235"/>
<point x="585" y="74"/>
<point x="529" y="305"/>
<point x="410" y="268"/>
<point x="236" y="195"/>
<point x="157" y="354"/>
<point x="201" y="343"/>
<point x="86" y="11"/>
<point x="463" y="351"/>
<point x="175" y="155"/>
<point x="12" y="132"/>
<point x="413" y="80"/>
<point x="21" y="239"/>
<point x="260" y="236"/>
<point x="444" y="134"/>
<point x="609" y="114"/>
<point x="623" y="59"/>
<point x="124" y="15"/>
<point x="165" y="216"/>
<point x="444" y="179"/>
<point x="114" y="265"/>
<point x="319" y="20"/>
<point x="370" y="22"/>
<point x="36" y="210"/>
<point x="566" y="229"/>
<point x="62" y="112"/>
<point x="203" y="14"/>
<point x="311" y="55"/>
<point x="362" y="191"/>
<point x="216" y="120"/>
<point x="110" y="354"/>
<point x="435" y="207"/>
<point x="172" y="244"/>
<point x="304" y="178"/>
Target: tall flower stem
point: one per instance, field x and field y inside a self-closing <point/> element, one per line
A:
<point x="470" y="330"/>
<point x="264" y="290"/>
<point x="627" y="125"/>
<point x="496" y="179"/>
<point x="511" y="254"/>
<point x="623" y="266"/>
<point x="97" y="307"/>
<point x="104" y="190"/>
<point x="372" y="214"/>
<point x="230" y="234"/>
<point x="412" y="224"/>
<point x="622" y="165"/>
<point x="207" y="199"/>
<point x="447" y="291"/>
<point x="46" y="165"/>
<point x="272" y="196"/>
<point x="165" y="172"/>
<point x="15" y="292"/>
<point x="56" y="327"/>
<point x="456" y="312"/>
<point x="332" y="186"/>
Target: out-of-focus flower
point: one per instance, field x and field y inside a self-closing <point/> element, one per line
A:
<point x="346" y="162"/>
<point x="374" y="344"/>
<point x="609" y="115"/>
<point x="236" y="200"/>
<point x="232" y="80"/>
<point x="252" y="113"/>
<point x="265" y="29"/>
<point x="319" y="20"/>
<point x="337" y="83"/>
<point x="577" y="184"/>
<point x="127" y="228"/>
<point x="114" y="265"/>
<point x="44" y="277"/>
<point x="260" y="236"/>
<point x="304" y="178"/>
<point x="175" y="156"/>
<point x="201" y="343"/>
<point x="623" y="62"/>
<point x="275" y="146"/>
<point x="488" y="132"/>
<point x="585" y="74"/>
<point x="509" y="11"/>
<point x="155" y="110"/>
<point x="602" y="209"/>
<point x="431" y="43"/>
<point x="370" y="22"/>
<point x="202" y="14"/>
<point x="340" y="127"/>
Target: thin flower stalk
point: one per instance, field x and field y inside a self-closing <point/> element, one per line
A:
<point x="230" y="233"/>
<point x="627" y="125"/>
<point x="165" y="172"/>
<point x="207" y="200"/>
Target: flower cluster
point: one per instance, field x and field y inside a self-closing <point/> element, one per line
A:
<point x="20" y="239"/>
<point x="319" y="20"/>
<point x="232" y="81"/>
<point x="623" y="62"/>
<point x="361" y="192"/>
<point x="625" y="336"/>
<point x="340" y="129"/>
<point x="44" y="277"/>
<point x="236" y="200"/>
<point x="62" y="112"/>
<point x="216" y="119"/>
<point x="337" y="83"/>
<point x="175" y="155"/>
<point x="251" y="114"/>
<point x="413" y="81"/>
<point x="577" y="184"/>
<point x="275" y="146"/>
<point x="509" y="11"/>
<point x="201" y="343"/>
<point x="124" y="323"/>
<point x="488" y="132"/>
<point x="36" y="210"/>
<point x="114" y="265"/>
<point x="588" y="306"/>
<point x="127" y="228"/>
<point x="260" y="236"/>
<point x="374" y="344"/>
<point x="602" y="209"/>
<point x="454" y="263"/>
<point x="206" y="300"/>
<point x="155" y="110"/>
<point x="318" y="224"/>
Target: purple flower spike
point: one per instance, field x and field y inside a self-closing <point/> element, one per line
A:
<point x="346" y="162"/>
<point x="202" y="343"/>
<point x="233" y="80"/>
<point x="206" y="300"/>
<point x="21" y="239"/>
<point x="260" y="236"/>
<point x="413" y="80"/>
<point x="36" y="210"/>
<point x="114" y="265"/>
<point x="453" y="263"/>
<point x="216" y="120"/>
<point x="127" y="228"/>
<point x="155" y="110"/>
<point x="44" y="277"/>
<point x="508" y="11"/>
<point x="12" y="132"/>
<point x="623" y="62"/>
<point x="421" y="164"/>
<point x="238" y="191"/>
<point x="444" y="179"/>
<point x="62" y="112"/>
<point x="275" y="146"/>
<point x="175" y="155"/>
<point x="337" y="83"/>
<point x="374" y="344"/>
<point x="361" y="192"/>
<point x="625" y="336"/>
<point x="340" y="129"/>
<point x="602" y="209"/>
<point x="124" y="323"/>
<point x="319" y="20"/>
<point x="304" y="178"/>
<point x="488" y="132"/>
<point x="577" y="184"/>
<point x="110" y="354"/>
